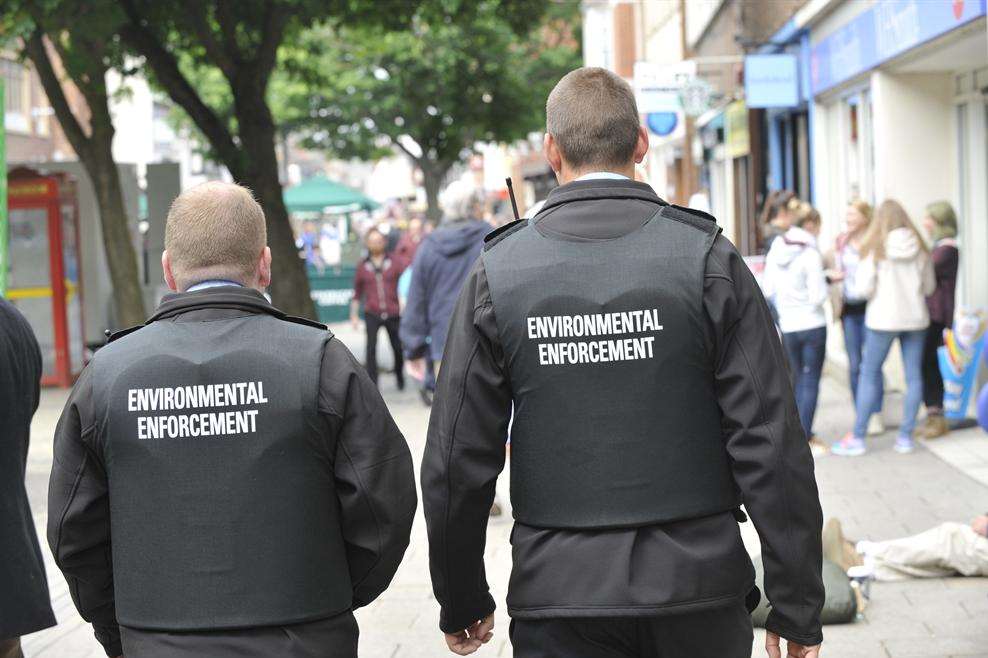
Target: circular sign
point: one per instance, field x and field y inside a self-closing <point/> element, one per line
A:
<point x="662" y="123"/>
<point x="695" y="96"/>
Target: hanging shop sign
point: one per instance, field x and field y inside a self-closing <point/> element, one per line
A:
<point x="736" y="138"/>
<point x="657" y="86"/>
<point x="662" y="123"/>
<point x="771" y="80"/>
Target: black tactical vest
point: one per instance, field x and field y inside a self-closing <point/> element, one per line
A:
<point x="616" y="422"/>
<point x="223" y="508"/>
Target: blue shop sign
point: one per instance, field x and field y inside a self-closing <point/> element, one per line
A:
<point x="662" y="123"/>
<point x="771" y="80"/>
<point x="885" y="30"/>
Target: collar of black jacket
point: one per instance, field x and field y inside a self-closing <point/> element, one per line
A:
<point x="216" y="302"/>
<point x="217" y="297"/>
<point x="601" y="188"/>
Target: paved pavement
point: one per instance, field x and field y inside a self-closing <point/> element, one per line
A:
<point x="881" y="495"/>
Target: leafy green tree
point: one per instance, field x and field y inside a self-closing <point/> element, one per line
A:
<point x="461" y="73"/>
<point x="70" y="42"/>
<point x="188" y="46"/>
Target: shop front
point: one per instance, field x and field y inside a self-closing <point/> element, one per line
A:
<point x="900" y="112"/>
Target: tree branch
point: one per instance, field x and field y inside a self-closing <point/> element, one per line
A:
<point x="144" y="41"/>
<point x="225" y="56"/>
<point x="275" y="20"/>
<point x="34" y="48"/>
<point x="92" y="81"/>
<point x="407" y="152"/>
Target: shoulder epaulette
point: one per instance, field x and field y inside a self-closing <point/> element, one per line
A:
<point x="112" y="336"/>
<point x="502" y="232"/>
<point x="307" y="322"/>
<point x="692" y="216"/>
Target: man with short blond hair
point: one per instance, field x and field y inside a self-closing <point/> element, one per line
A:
<point x="214" y="231"/>
<point x="237" y="464"/>
<point x="650" y="399"/>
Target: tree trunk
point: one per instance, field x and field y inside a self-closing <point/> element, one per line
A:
<point x="117" y="240"/>
<point x="289" y="280"/>
<point x="432" y="179"/>
<point x="95" y="151"/>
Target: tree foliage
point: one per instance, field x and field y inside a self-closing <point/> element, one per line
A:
<point x="451" y="79"/>
<point x="234" y="45"/>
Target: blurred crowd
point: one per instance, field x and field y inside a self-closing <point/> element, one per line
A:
<point x="887" y="280"/>
<point x="410" y="273"/>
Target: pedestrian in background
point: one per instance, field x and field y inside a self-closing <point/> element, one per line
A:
<point x="375" y="286"/>
<point x="895" y="275"/>
<point x="849" y="306"/>
<point x="257" y="488"/>
<point x="24" y="601"/>
<point x="777" y="215"/>
<point x="441" y="265"/>
<point x="794" y="280"/>
<point x="409" y="242"/>
<point x="940" y="224"/>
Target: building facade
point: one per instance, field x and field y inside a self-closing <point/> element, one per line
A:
<point x="900" y="104"/>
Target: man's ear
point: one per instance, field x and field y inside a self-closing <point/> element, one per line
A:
<point x="166" y="265"/>
<point x="641" y="146"/>
<point x="552" y="153"/>
<point x="264" y="269"/>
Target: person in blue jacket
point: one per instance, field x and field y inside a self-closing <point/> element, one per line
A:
<point x="442" y="263"/>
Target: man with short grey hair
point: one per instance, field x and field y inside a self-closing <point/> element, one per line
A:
<point x="441" y="265"/>
<point x="227" y="480"/>
<point x="650" y="399"/>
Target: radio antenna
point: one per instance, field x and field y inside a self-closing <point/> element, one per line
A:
<point x="511" y="193"/>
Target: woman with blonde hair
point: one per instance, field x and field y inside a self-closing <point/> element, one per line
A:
<point x="848" y="305"/>
<point x="895" y="275"/>
<point x="940" y="224"/>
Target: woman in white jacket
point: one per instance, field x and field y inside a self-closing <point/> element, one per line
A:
<point x="895" y="276"/>
<point x="795" y="283"/>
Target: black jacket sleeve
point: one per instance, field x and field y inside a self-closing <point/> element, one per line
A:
<point x="375" y="481"/>
<point x="464" y="454"/>
<point x="79" y="516"/>
<point x="771" y="459"/>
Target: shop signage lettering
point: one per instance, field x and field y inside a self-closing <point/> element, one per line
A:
<point x="771" y="80"/>
<point x="885" y="30"/>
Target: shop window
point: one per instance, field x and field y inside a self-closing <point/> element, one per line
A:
<point x="14" y="76"/>
<point x="858" y="147"/>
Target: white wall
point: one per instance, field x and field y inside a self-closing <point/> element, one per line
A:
<point x="915" y="138"/>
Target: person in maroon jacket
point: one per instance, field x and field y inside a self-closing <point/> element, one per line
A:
<point x="940" y="224"/>
<point x="375" y="285"/>
<point x="408" y="244"/>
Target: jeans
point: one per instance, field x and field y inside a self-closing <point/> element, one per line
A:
<point x="806" y="350"/>
<point x="932" y="379"/>
<point x="373" y="323"/>
<point x="876" y="350"/>
<point x="854" y="337"/>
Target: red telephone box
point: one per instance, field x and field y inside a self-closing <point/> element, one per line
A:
<point x="45" y="281"/>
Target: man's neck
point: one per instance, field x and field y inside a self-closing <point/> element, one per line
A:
<point x="568" y="175"/>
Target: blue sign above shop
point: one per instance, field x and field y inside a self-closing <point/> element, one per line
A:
<point x="771" y="80"/>
<point x="885" y="30"/>
<point x="662" y="123"/>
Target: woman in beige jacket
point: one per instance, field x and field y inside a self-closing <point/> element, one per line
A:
<point x="895" y="276"/>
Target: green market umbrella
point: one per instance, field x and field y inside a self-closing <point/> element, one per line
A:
<point x="318" y="193"/>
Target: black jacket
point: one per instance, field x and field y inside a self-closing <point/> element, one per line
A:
<point x="652" y="570"/>
<point x="24" y="601"/>
<point x="372" y="469"/>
